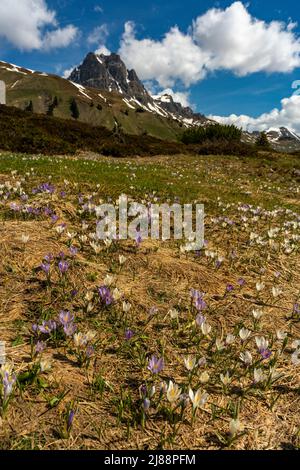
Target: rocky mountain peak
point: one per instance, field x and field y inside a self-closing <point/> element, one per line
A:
<point x="111" y="74"/>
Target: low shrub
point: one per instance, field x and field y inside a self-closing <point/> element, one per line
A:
<point x="214" y="132"/>
<point x="239" y="149"/>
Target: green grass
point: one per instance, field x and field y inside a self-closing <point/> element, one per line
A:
<point x="185" y="177"/>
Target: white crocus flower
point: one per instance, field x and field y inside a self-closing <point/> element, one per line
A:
<point x="173" y="313"/>
<point x="225" y="379"/>
<point x="296" y="358"/>
<point x="220" y="345"/>
<point x="230" y="339"/>
<point x="276" y="292"/>
<point x="90" y="336"/>
<point x="234" y="427"/>
<point x="198" y="399"/>
<point x="96" y="248"/>
<point x="60" y="229"/>
<point x="246" y="358"/>
<point x="25" y="239"/>
<point x="126" y="307"/>
<point x="260" y="286"/>
<point x="204" y="378"/>
<point x="109" y="280"/>
<point x="262" y="343"/>
<point x="257" y="314"/>
<point x="206" y="329"/>
<point x="190" y="363"/>
<point x="281" y="335"/>
<point x="79" y="340"/>
<point x="122" y="260"/>
<point x="89" y="296"/>
<point x="45" y="365"/>
<point x="244" y="334"/>
<point x="259" y="376"/>
<point x="173" y="392"/>
<point x="296" y="344"/>
<point x="117" y="294"/>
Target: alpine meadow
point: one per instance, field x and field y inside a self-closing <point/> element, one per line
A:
<point x="149" y="228"/>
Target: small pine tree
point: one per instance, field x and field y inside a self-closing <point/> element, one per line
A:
<point x="52" y="106"/>
<point x="262" y="142"/>
<point x="74" y="109"/>
<point x="29" y="107"/>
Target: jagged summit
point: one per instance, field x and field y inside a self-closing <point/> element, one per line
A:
<point x="110" y="73"/>
<point x="167" y="102"/>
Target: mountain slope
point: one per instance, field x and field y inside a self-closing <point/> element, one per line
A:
<point x="100" y="108"/>
<point x="110" y="73"/>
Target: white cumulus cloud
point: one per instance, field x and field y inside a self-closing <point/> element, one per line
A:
<point x="31" y="25"/>
<point x="98" y="35"/>
<point x="239" y="42"/>
<point x="228" y="39"/>
<point x="288" y="115"/>
<point x="175" y="57"/>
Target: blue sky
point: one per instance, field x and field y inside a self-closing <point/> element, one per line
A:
<point x="223" y="90"/>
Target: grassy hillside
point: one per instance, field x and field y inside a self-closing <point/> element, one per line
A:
<point x="98" y="109"/>
<point x="23" y="131"/>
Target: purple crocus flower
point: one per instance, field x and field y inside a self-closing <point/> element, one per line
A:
<point x="63" y="266"/>
<point x="49" y="258"/>
<point x="241" y="282"/>
<point x="47" y="327"/>
<point x="65" y="317"/>
<point x="90" y="351"/>
<point x="54" y="218"/>
<point x="156" y="365"/>
<point x="146" y="404"/>
<point x="47" y="211"/>
<point x="143" y="390"/>
<point x="74" y="292"/>
<point x="105" y="295"/>
<point x="229" y="288"/>
<point x="138" y="238"/>
<point x="200" y="319"/>
<point x="40" y="347"/>
<point x="73" y="250"/>
<point x="296" y="309"/>
<point x="198" y="300"/>
<point x="129" y="334"/>
<point x="8" y="384"/>
<point x="153" y="311"/>
<point x="45" y="267"/>
<point x="266" y="353"/>
<point x="70" y="420"/>
<point x="70" y="329"/>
